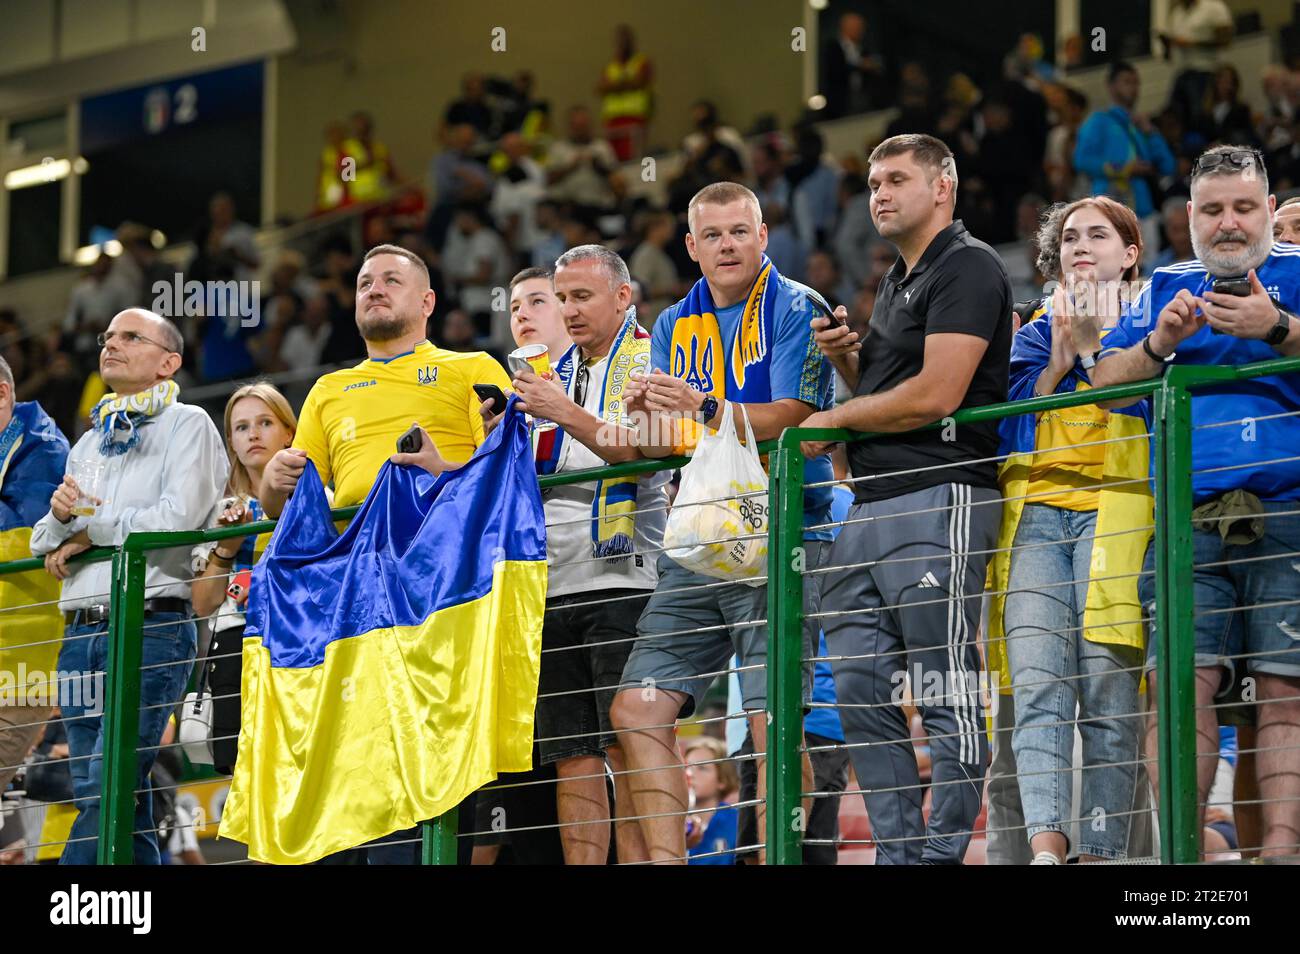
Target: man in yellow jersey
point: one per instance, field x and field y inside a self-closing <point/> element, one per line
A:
<point x="352" y="419"/>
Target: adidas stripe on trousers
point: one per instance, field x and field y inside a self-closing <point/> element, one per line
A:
<point x="902" y="598"/>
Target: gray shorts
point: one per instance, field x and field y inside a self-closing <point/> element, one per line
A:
<point x="693" y="625"/>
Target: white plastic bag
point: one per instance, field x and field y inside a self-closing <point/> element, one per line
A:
<point x="725" y="537"/>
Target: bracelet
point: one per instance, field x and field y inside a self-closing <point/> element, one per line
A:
<point x="1146" y="346"/>
<point x="221" y="558"/>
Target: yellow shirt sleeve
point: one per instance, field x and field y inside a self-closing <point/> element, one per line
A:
<point x="486" y="371"/>
<point x="311" y="435"/>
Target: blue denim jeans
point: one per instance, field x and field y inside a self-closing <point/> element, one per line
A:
<point x="167" y="656"/>
<point x="1055" y="673"/>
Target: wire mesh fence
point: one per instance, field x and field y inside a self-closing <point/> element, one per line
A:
<point x="961" y="675"/>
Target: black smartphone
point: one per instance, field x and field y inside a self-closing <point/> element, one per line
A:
<point x="411" y="441"/>
<point x="1232" y="286"/>
<point x="1238" y="287"/>
<point x="490" y="392"/>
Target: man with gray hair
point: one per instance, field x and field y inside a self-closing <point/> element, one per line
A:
<point x="1245" y="484"/>
<point x="602" y="538"/>
<point x="148" y="463"/>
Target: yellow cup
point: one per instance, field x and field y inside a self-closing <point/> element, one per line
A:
<point x="535" y="356"/>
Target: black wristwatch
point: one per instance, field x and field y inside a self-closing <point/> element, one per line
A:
<point x="708" y="409"/>
<point x="1283" y="327"/>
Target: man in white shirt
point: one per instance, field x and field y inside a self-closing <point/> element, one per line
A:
<point x="163" y="467"/>
<point x="475" y="260"/>
<point x="1198" y="29"/>
<point x="602" y="569"/>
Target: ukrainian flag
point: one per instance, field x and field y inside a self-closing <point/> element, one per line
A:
<point x="390" y="671"/>
<point x="33" y="453"/>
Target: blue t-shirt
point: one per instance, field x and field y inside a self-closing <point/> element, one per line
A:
<point x="1236" y="456"/>
<point x="719" y="835"/>
<point x="820" y="721"/>
<point x="798" y="370"/>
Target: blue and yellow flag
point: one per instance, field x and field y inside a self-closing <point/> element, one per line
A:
<point x="33" y="454"/>
<point x="392" y="670"/>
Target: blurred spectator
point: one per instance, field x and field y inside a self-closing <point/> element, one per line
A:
<point x="853" y="70"/>
<point x="549" y="243"/>
<point x="1198" y="29"/>
<point x="136" y="268"/>
<point x="471" y="109"/>
<point x="475" y="261"/>
<point x="627" y="99"/>
<point x="1027" y="61"/>
<point x="767" y="160"/>
<point x="822" y="274"/>
<point x="525" y="113"/>
<point x="855" y="232"/>
<point x="581" y="166"/>
<point x="1064" y="182"/>
<point x="711" y="824"/>
<point x="375" y="174"/>
<point x="287" y="281"/>
<point x="333" y="177"/>
<point x="916" y="111"/>
<point x="458" y="332"/>
<point x="784" y="247"/>
<point x="518" y="190"/>
<point x="1021" y="256"/>
<point x="653" y="268"/>
<point x="304" y="342"/>
<point x="1006" y="161"/>
<point x="1123" y="153"/>
<point x="1229" y="119"/>
<point x="1178" y="233"/>
<point x="1277" y="123"/>
<point x="226" y="248"/>
<point x="94" y="302"/>
<point x="713" y="154"/>
<point x="814" y="189"/>
<point x="339" y="286"/>
<point x="456" y="177"/>
<point x="721" y="147"/>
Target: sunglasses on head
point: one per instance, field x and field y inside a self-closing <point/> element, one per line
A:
<point x="1238" y="159"/>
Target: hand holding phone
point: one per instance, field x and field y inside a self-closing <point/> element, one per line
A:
<point x="490" y="392"/>
<point x="411" y="441"/>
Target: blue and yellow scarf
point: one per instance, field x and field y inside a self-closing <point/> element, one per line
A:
<point x="613" y="511"/>
<point x="697" y="348"/>
<point x="116" y="417"/>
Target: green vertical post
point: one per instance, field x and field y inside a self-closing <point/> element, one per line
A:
<point x="1175" y="623"/>
<point x="784" y="653"/>
<point x="121" y="702"/>
<point x="438" y="839"/>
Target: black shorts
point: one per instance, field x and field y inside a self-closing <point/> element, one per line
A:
<point x="585" y="645"/>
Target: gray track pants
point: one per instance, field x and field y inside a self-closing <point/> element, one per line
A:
<point x="912" y="615"/>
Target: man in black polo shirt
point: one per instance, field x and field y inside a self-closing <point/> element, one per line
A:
<point x="906" y="574"/>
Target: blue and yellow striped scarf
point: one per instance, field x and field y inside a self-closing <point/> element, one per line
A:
<point x="613" y="511"/>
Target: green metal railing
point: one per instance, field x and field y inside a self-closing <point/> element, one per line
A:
<point x="1172" y="433"/>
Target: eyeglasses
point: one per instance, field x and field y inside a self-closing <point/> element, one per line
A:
<point x="127" y="338"/>
<point x="580" y="385"/>
<point x="1238" y="159"/>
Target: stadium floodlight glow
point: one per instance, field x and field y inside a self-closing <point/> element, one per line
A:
<point x="817" y="101"/>
<point x="87" y="254"/>
<point x="46" y="171"/>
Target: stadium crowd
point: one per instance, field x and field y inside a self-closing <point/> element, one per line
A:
<point x="992" y="247"/>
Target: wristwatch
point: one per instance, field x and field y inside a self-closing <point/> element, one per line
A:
<point x="1283" y="327"/>
<point x="1146" y="346"/>
<point x="1089" y="361"/>
<point x="708" y="409"/>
